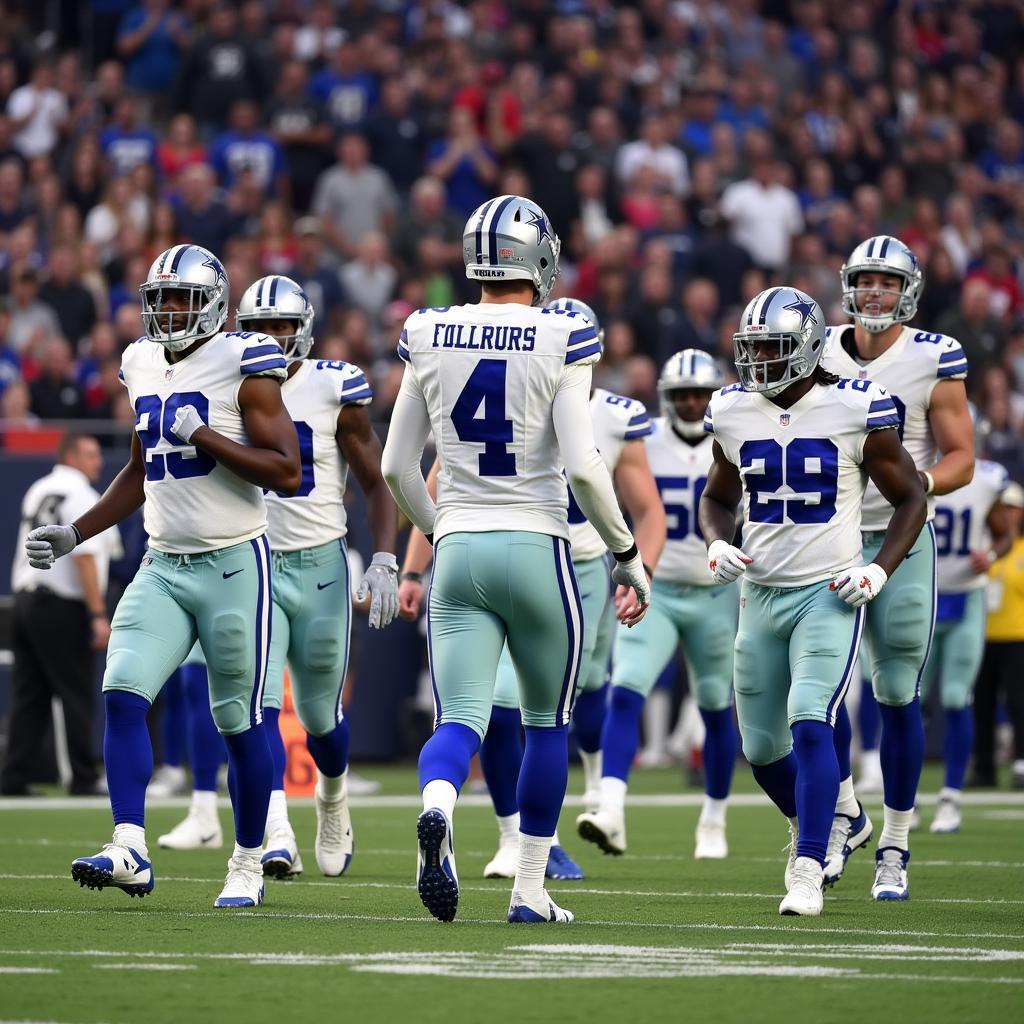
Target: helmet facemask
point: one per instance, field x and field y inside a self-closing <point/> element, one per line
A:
<point x="178" y="329"/>
<point x="904" y="301"/>
<point x="760" y="374"/>
<point x="690" y="429"/>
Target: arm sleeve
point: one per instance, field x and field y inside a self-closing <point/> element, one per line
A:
<point x="588" y="477"/>
<point x="400" y="462"/>
<point x="639" y="424"/>
<point x="264" y="358"/>
<point x="354" y="388"/>
<point x="952" y="362"/>
<point x="882" y="411"/>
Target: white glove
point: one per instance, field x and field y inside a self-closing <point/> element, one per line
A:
<point x="726" y="562"/>
<point x="380" y="581"/>
<point x="186" y="422"/>
<point x="45" y="544"/>
<point x="860" y="584"/>
<point x="632" y="574"/>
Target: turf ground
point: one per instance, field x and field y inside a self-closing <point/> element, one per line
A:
<point x="658" y="935"/>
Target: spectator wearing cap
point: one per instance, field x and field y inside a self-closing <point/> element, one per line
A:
<point x="66" y="296"/>
<point x="245" y="148"/>
<point x="318" y="279"/>
<point x="31" y="320"/>
<point x="346" y="90"/>
<point x="297" y="122"/>
<point x="151" y="39"/>
<point x="55" y="392"/>
<point x="464" y="162"/>
<point x="38" y="113"/>
<point x="202" y="216"/>
<point x="126" y="143"/>
<point x="353" y="197"/>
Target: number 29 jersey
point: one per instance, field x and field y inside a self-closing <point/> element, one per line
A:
<point x="193" y="503"/>
<point x="313" y="396"/>
<point x="802" y="473"/>
<point x="488" y="374"/>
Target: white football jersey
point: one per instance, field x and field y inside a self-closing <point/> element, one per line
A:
<point x="617" y="420"/>
<point x="488" y="374"/>
<point x="960" y="527"/>
<point x="680" y="471"/>
<point x="802" y="473"/>
<point x="313" y="396"/>
<point x="909" y="370"/>
<point x="193" y="503"/>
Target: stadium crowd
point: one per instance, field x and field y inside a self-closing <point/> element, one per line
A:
<point x="688" y="153"/>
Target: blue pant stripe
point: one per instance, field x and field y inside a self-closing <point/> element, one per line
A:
<point x="573" y="626"/>
<point x="931" y="625"/>
<point x="844" y="683"/>
<point x="261" y="549"/>
<point x="339" y="712"/>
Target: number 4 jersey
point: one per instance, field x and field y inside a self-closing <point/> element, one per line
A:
<point x="193" y="503"/>
<point x="313" y="396"/>
<point x="802" y="473"/>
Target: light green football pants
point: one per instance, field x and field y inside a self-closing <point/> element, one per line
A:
<point x="956" y="653"/>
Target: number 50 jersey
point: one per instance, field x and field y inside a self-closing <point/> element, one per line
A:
<point x="193" y="503"/>
<point x="488" y="374"/>
<point x="802" y="473"/>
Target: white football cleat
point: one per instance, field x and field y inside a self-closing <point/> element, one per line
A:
<point x="525" y="911"/>
<point x="436" y="878"/>
<point x="605" y="828"/>
<point x="794" y="835"/>
<point x="168" y="780"/>
<point x="198" y="831"/>
<point x="869" y="778"/>
<point x="915" y="818"/>
<point x="711" y="844"/>
<point x="359" y="785"/>
<point x="804" y="897"/>
<point x="891" y="881"/>
<point x="947" y="816"/>
<point x="334" y="840"/>
<point x="116" y="866"/>
<point x="591" y="801"/>
<point x="848" y="834"/>
<point x="281" y="858"/>
<point x="505" y="862"/>
<point x="243" y="886"/>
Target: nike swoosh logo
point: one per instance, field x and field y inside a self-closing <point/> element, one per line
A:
<point x="209" y="838"/>
<point x="324" y="586"/>
<point x="910" y="554"/>
<point x="228" y="575"/>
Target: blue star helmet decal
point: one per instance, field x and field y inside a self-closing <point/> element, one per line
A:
<point x="805" y="307"/>
<point x="540" y="223"/>
<point x="215" y="265"/>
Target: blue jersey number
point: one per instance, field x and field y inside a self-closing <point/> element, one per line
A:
<point x="947" y="525"/>
<point x="154" y="419"/>
<point x="808" y="465"/>
<point x="486" y="386"/>
<point x="680" y="519"/>
<point x="305" y="432"/>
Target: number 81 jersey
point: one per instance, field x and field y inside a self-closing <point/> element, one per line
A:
<point x="802" y="473"/>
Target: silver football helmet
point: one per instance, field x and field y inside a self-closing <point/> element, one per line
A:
<point x="510" y="238"/>
<point x="882" y="254"/>
<point x="191" y="269"/>
<point x="789" y="318"/>
<point x="691" y="369"/>
<point x="575" y="306"/>
<point x="277" y="297"/>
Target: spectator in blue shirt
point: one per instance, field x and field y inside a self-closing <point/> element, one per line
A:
<point x="1004" y="163"/>
<point x="464" y="162"/>
<point x="126" y="144"/>
<point x="347" y="92"/>
<point x="150" y="39"/>
<point x="245" y="148"/>
<point x="318" y="279"/>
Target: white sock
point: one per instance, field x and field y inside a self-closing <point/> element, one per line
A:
<point x="277" y="812"/>
<point x="204" y="802"/>
<point x="1018" y="766"/>
<point x="442" y="794"/>
<point x="713" y="811"/>
<point x="248" y="852"/>
<point x="591" y="769"/>
<point x="533" y="861"/>
<point x="657" y="714"/>
<point x="508" y="828"/>
<point x="895" y="828"/>
<point x="133" y="836"/>
<point x="870" y="761"/>
<point x="613" y="794"/>
<point x="554" y="839"/>
<point x="331" y="787"/>
<point x="847" y="802"/>
<point x="948" y="793"/>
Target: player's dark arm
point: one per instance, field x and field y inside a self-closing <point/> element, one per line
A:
<point x="722" y="493"/>
<point x="271" y="459"/>
<point x="361" y="448"/>
<point x="124" y="495"/>
<point x="950" y="422"/>
<point x="1001" y="530"/>
<point x="635" y="484"/>
<point x="893" y="472"/>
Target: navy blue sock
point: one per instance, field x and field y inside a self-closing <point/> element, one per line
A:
<point x="778" y="780"/>
<point x="817" y="787"/>
<point x="501" y="755"/>
<point x="446" y="755"/>
<point x="330" y="751"/>
<point x="173" y="722"/>
<point x="843" y="740"/>
<point x="543" y="779"/>
<point x="621" y="733"/>
<point x="253" y="769"/>
<point x="719" y="752"/>
<point x="902" y="754"/>
<point x="276" y="745"/>
<point x="206" y="745"/>
<point x="867" y="717"/>
<point x="958" y="742"/>
<point x="127" y="755"/>
<point x="588" y="718"/>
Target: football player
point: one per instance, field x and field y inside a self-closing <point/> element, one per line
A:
<point x="211" y="433"/>
<point x="924" y="374"/>
<point x="794" y="443"/>
<point x="505" y="387"/>
<point x="688" y="609"/>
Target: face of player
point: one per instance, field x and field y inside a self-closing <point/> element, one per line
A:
<point x="767" y="350"/>
<point x="279" y="329"/>
<point x="171" y="303"/>
<point x="877" y="294"/>
<point x="690" y="403"/>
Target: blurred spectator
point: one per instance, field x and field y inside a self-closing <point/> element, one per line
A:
<point x="245" y="148"/>
<point x="998" y="272"/>
<point x="428" y="218"/>
<point x="654" y="151"/>
<point x="464" y="162"/>
<point x="318" y="280"/>
<point x="973" y="325"/>
<point x="396" y="134"/>
<point x="150" y="39"/>
<point x="319" y="34"/>
<point x="278" y="247"/>
<point x="551" y="161"/>
<point x="202" y="216"/>
<point x="65" y="295"/>
<point x="16" y="407"/>
<point x="38" y="113"/>
<point x="181" y="147"/>
<point x="297" y="121"/>
<point x="14" y="206"/>
<point x="369" y="279"/>
<point x="764" y="215"/>
<point x="84" y="187"/>
<point x="126" y="143"/>
<point x="346" y="90"/>
<point x="959" y="235"/>
<point x="55" y="393"/>
<point x="31" y="320"/>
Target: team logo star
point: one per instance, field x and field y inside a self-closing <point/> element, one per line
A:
<point x="215" y="265"/>
<point x="540" y="223"/>
<point x="805" y="308"/>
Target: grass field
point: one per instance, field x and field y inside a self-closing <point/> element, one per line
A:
<point x="658" y="935"/>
